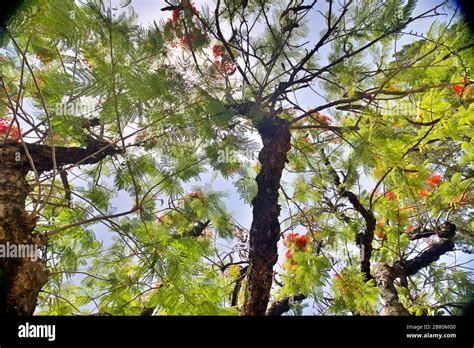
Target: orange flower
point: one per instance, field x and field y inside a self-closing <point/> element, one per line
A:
<point x="433" y="180"/>
<point x="458" y="89"/>
<point x="322" y="118"/>
<point x="379" y="229"/>
<point x="390" y="195"/>
<point x="409" y="229"/>
<point x="425" y="193"/>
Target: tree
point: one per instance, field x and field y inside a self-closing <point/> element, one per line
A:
<point x="367" y="182"/>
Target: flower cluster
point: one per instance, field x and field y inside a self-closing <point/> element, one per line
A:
<point x="189" y="33"/>
<point x="434" y="180"/>
<point x="295" y="243"/>
<point x="390" y="195"/>
<point x="425" y="193"/>
<point x="464" y="89"/>
<point x="222" y="61"/>
<point x="218" y="51"/>
<point x="431" y="182"/>
<point x="13" y="132"/>
<point x="176" y="14"/>
<point x="379" y="229"/>
<point x="323" y="119"/>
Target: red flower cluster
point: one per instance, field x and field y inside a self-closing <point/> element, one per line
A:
<point x="177" y="13"/>
<point x="390" y="195"/>
<point x="434" y="180"/>
<point x="226" y="66"/>
<point x="409" y="229"/>
<point x="218" y="51"/>
<point x="296" y="239"/>
<point x="295" y="243"/>
<point x="458" y="89"/>
<point x="175" y="16"/>
<point x="461" y="89"/>
<point x="187" y="39"/>
<point x="14" y="134"/>
<point x="223" y="63"/>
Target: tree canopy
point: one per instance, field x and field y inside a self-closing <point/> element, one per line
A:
<point x="346" y="132"/>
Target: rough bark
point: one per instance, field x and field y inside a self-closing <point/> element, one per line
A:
<point x="21" y="278"/>
<point x="265" y="229"/>
<point x="385" y="277"/>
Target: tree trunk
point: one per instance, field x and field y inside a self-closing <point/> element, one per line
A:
<point x="265" y="229"/>
<point x="384" y="277"/>
<point x="21" y="278"/>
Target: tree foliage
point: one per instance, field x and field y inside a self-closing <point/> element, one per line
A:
<point x="365" y="141"/>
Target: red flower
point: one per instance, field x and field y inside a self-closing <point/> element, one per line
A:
<point x="175" y="16"/>
<point x="14" y="133"/>
<point x="301" y="242"/>
<point x="177" y="13"/>
<point x="193" y="8"/>
<point x="409" y="229"/>
<point x="390" y="195"/>
<point x="229" y="67"/>
<point x="425" y="193"/>
<point x="433" y="180"/>
<point x="290" y="238"/>
<point x="187" y="39"/>
<point x="289" y="254"/>
<point x="458" y="89"/>
<point x="218" y="51"/>
<point x="226" y="66"/>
